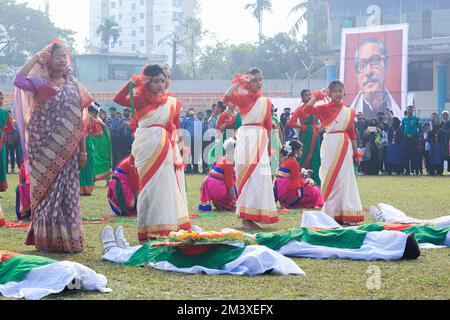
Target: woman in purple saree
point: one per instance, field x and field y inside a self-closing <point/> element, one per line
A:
<point x="52" y="112"/>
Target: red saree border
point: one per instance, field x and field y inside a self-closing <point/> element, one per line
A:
<point x="254" y="163"/>
<point x="146" y="177"/>
<point x="51" y="175"/>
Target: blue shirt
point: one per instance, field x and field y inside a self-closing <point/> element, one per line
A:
<point x="194" y="127"/>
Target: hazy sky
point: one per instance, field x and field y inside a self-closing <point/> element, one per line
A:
<point x="227" y="19"/>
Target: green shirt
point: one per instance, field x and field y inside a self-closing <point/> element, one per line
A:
<point x="411" y="125"/>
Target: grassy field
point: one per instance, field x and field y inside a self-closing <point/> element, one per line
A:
<point x="425" y="278"/>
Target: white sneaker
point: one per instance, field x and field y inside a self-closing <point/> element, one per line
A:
<point x="120" y="238"/>
<point x="376" y="214"/>
<point x="108" y="239"/>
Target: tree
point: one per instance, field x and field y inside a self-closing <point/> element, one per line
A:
<point x="25" y="31"/>
<point x="188" y="40"/>
<point x="107" y="31"/>
<point x="258" y="10"/>
<point x="313" y="14"/>
<point x="300" y="9"/>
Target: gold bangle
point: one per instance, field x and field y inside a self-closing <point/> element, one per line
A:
<point x="83" y="154"/>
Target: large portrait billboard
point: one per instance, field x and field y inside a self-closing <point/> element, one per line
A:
<point x="374" y="64"/>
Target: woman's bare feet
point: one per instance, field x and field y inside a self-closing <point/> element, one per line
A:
<point x="248" y="224"/>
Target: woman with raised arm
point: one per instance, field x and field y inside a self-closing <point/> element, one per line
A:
<point x="52" y="112"/>
<point x="338" y="155"/>
<point x="160" y="206"/>
<point x="256" y="201"/>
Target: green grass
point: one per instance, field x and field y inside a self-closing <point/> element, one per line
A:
<point x="425" y="278"/>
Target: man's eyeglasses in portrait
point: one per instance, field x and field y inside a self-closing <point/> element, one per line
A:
<point x="374" y="62"/>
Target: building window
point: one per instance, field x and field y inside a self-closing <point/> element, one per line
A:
<point x="420" y="76"/>
<point x="158" y="28"/>
<point x="142" y="2"/>
<point x="441" y="23"/>
<point x="390" y="19"/>
<point x="133" y="33"/>
<point x="142" y="29"/>
<point x="120" y="43"/>
<point x="177" y="16"/>
<point x="133" y="47"/>
<point x="415" y="24"/>
<point x="133" y="6"/>
<point x="113" y="5"/>
<point x="426" y="24"/>
<point x="177" y="3"/>
<point x="120" y="16"/>
<point x="142" y="43"/>
<point x="142" y="15"/>
<point x="133" y="20"/>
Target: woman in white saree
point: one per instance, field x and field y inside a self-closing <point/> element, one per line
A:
<point x="256" y="201"/>
<point x="161" y="207"/>
<point x="338" y="155"/>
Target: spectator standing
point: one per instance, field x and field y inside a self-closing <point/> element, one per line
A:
<point x="411" y="129"/>
<point x="361" y="125"/>
<point x="394" y="154"/>
<point x="372" y="143"/>
<point x="288" y="131"/>
<point x="126" y="135"/>
<point x="445" y="128"/>
<point x="424" y="147"/>
<point x="193" y="126"/>
<point x="13" y="145"/>
<point x="114" y="124"/>
<point x="437" y="140"/>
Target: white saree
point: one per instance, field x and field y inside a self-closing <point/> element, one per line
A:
<point x="256" y="200"/>
<point x="161" y="207"/>
<point x="339" y="188"/>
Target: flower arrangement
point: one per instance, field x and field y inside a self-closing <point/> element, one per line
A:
<point x="215" y="237"/>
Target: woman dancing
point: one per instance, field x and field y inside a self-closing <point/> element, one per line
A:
<point x="160" y="206"/>
<point x="338" y="155"/>
<point x="256" y="201"/>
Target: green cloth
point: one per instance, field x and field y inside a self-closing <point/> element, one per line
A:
<point x="306" y="139"/>
<point x="3" y="163"/>
<point x="411" y="125"/>
<point x="423" y="233"/>
<point x="341" y="238"/>
<point x="17" y="268"/>
<point x="87" y="173"/>
<point x="214" y="258"/>
<point x="102" y="155"/>
<point x="275" y="145"/>
<point x="347" y="238"/>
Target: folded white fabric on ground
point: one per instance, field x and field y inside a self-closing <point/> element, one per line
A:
<point x="54" y="278"/>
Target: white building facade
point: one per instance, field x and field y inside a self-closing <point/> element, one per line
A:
<point x="146" y="26"/>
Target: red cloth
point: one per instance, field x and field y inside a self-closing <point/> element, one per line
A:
<point x="145" y="102"/>
<point x="226" y="118"/>
<point x="296" y="181"/>
<point x="9" y="127"/>
<point x="302" y="116"/>
<point x="95" y="127"/>
<point x="228" y="168"/>
<point x="246" y="102"/>
<point x="127" y="165"/>
<point x="327" y="113"/>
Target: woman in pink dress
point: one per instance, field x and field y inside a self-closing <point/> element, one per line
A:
<point x="292" y="189"/>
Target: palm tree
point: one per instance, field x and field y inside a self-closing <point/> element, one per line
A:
<point x="258" y="9"/>
<point x="108" y="30"/>
<point x="302" y="8"/>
